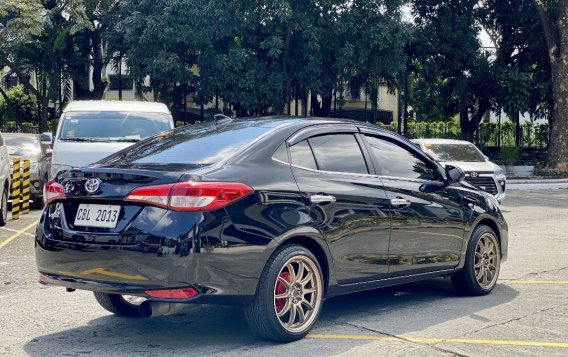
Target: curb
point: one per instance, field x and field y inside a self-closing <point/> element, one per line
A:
<point x="529" y="181"/>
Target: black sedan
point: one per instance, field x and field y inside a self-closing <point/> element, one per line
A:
<point x="275" y="214"/>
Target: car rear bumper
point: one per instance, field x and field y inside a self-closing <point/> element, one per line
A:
<point x="221" y="273"/>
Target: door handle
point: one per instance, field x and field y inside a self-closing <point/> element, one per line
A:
<point x="317" y="199"/>
<point x="400" y="202"/>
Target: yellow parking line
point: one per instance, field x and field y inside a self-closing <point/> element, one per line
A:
<point x="19" y="233"/>
<point x="544" y="282"/>
<point x="442" y="340"/>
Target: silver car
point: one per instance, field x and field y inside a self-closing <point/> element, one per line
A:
<point x="29" y="146"/>
<point x="479" y="171"/>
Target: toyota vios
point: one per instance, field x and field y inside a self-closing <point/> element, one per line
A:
<point x="275" y="214"/>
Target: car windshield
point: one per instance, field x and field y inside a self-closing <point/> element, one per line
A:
<point x="197" y="145"/>
<point x="455" y="152"/>
<point x="112" y="126"/>
<point x="24" y="146"/>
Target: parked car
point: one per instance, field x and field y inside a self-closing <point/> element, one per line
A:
<point x="479" y="171"/>
<point x="275" y="214"/>
<point x="28" y="146"/>
<point x="90" y="130"/>
<point x="4" y="181"/>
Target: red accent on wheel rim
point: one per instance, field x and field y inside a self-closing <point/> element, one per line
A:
<point x="281" y="289"/>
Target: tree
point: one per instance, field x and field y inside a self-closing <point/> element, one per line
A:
<point x="258" y="55"/>
<point x="554" y="19"/>
<point x="451" y="66"/>
<point x="523" y="73"/>
<point x="23" y="106"/>
<point x="32" y="41"/>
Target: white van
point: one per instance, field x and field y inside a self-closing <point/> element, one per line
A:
<point x="91" y="130"/>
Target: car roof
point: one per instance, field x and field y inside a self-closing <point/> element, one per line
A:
<point x="116" y="106"/>
<point x="283" y="122"/>
<point x="442" y="141"/>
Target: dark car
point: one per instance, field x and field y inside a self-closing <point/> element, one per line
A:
<point x="275" y="214"/>
<point x="30" y="147"/>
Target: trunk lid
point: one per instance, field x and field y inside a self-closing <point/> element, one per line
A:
<point x="98" y="187"/>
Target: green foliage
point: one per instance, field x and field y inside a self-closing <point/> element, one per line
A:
<point x="451" y="74"/>
<point x="23" y="104"/>
<point x="258" y="55"/>
<point x="514" y="92"/>
<point x="509" y="155"/>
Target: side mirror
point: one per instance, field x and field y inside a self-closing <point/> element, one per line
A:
<point x="486" y="158"/>
<point x="454" y="174"/>
<point x="46" y="138"/>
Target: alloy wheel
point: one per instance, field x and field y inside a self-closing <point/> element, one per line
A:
<point x="487" y="261"/>
<point x="297" y="294"/>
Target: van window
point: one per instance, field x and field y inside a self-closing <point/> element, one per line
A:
<point x="112" y="126"/>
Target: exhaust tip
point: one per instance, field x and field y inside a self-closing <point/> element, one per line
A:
<point x="146" y="309"/>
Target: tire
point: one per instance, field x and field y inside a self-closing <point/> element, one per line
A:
<point x="4" y="208"/>
<point x="294" y="273"/>
<point x="482" y="264"/>
<point x="119" y="304"/>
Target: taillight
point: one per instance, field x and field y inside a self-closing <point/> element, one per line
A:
<point x="190" y="196"/>
<point x="184" y="293"/>
<point x="53" y="191"/>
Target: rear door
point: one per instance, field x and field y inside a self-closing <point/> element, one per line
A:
<point x="427" y="214"/>
<point x="346" y="202"/>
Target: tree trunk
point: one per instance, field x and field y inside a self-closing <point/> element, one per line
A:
<point x="321" y="109"/>
<point x="120" y="78"/>
<point x="518" y="130"/>
<point x="98" y="64"/>
<point x="556" y="36"/>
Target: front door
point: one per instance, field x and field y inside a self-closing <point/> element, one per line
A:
<point x="346" y="202"/>
<point x="426" y="213"/>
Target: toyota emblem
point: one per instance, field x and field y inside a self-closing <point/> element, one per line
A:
<point x="474" y="174"/>
<point x="92" y="185"/>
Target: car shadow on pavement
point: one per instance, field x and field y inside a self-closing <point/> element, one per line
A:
<point x="206" y="329"/>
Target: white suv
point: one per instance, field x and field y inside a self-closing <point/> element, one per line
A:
<point x="89" y="131"/>
<point x="479" y="171"/>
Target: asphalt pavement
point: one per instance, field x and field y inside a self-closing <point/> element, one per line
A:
<point x="526" y="315"/>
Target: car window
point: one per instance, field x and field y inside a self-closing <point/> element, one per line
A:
<point x="396" y="161"/>
<point x="281" y="154"/>
<point x="22" y="145"/>
<point x="456" y="152"/>
<point x="112" y="126"/>
<point x="200" y="145"/>
<point x="302" y="155"/>
<point x="338" y="153"/>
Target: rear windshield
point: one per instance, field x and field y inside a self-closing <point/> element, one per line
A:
<point x="456" y="152"/>
<point x="199" y="145"/>
<point x="112" y="126"/>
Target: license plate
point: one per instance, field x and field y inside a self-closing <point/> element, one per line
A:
<point x="101" y="216"/>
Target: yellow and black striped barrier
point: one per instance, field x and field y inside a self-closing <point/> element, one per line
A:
<point x="16" y="178"/>
<point x="26" y="188"/>
<point x="20" y="186"/>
